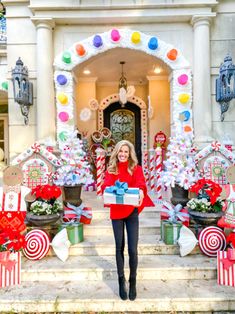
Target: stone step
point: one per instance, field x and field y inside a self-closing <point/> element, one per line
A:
<point x="104" y="245"/>
<point x="183" y="296"/>
<point x="98" y="227"/>
<point x="164" y="267"/>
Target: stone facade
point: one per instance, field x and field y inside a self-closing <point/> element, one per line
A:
<point x="38" y="31"/>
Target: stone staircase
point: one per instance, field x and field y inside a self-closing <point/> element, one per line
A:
<point x="87" y="281"/>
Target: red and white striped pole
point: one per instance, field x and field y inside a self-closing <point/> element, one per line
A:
<point x="158" y="170"/>
<point x="151" y="169"/>
<point x="146" y="168"/>
<point x="100" y="169"/>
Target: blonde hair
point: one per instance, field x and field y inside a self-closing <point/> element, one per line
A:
<point x="132" y="160"/>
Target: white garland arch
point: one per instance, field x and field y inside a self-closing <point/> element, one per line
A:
<point x="83" y="50"/>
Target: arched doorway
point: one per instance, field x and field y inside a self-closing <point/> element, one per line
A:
<point x="124" y="123"/>
<point x="180" y="79"/>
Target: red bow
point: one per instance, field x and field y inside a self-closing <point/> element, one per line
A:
<point x="230" y="260"/>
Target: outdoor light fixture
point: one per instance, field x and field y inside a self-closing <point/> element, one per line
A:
<point x="23" y="89"/>
<point x="225" y="85"/>
<point x="122" y="80"/>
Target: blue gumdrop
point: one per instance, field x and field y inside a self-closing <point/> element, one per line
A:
<point x="186" y="114"/>
<point x="61" y="79"/>
<point x="97" y="41"/>
<point x="153" y="43"/>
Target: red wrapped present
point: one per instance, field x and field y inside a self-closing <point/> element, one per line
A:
<point x="226" y="268"/>
<point x="77" y="213"/>
<point x="10" y="269"/>
<point x="72" y="212"/>
<point x="176" y="213"/>
<point x="86" y="215"/>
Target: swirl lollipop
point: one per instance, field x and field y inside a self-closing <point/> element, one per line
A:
<point x="37" y="244"/>
<point x="212" y="240"/>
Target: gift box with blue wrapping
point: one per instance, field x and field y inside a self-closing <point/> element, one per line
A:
<point x="170" y="231"/>
<point x="121" y="194"/>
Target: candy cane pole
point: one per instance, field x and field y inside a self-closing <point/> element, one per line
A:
<point x="146" y="169"/>
<point x="99" y="170"/>
<point x="158" y="169"/>
<point x="151" y="169"/>
<point x="103" y="155"/>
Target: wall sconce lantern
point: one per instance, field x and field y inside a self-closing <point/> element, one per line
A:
<point x="225" y="85"/>
<point x="22" y="88"/>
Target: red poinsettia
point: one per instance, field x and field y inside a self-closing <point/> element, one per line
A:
<point x="11" y="240"/>
<point x="212" y="189"/>
<point x="46" y="192"/>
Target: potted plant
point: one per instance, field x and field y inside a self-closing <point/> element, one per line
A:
<point x="180" y="170"/>
<point x="75" y="171"/>
<point x="44" y="208"/>
<point x="206" y="208"/>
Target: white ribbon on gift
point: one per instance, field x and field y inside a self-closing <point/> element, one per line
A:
<point x="174" y="212"/>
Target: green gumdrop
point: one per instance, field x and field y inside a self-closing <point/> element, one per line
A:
<point x="63" y="136"/>
<point x="5" y="85"/>
<point x="66" y="57"/>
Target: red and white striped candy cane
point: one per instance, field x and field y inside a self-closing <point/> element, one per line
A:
<point x="103" y="155"/>
<point x="99" y="170"/>
<point x="151" y="169"/>
<point x="146" y="168"/>
<point x="158" y="169"/>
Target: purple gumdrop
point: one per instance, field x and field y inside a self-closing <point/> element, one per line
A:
<point x="97" y="41"/>
<point x="61" y="79"/>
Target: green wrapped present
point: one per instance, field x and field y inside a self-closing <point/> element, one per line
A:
<point x="75" y="232"/>
<point x="170" y="231"/>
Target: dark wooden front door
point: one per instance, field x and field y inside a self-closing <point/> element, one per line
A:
<point x="124" y="124"/>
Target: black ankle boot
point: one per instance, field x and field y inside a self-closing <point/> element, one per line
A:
<point x="122" y="288"/>
<point x="132" y="290"/>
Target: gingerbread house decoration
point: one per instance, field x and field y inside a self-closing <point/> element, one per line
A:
<point x="37" y="164"/>
<point x="213" y="161"/>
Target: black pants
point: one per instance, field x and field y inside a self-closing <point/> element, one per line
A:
<point x="132" y="227"/>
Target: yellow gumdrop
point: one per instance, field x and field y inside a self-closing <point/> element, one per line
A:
<point x="135" y="37"/>
<point x="184" y="98"/>
<point x="62" y="98"/>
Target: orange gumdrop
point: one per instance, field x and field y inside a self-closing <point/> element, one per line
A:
<point x="172" y="54"/>
<point x="80" y="50"/>
<point x="187" y="128"/>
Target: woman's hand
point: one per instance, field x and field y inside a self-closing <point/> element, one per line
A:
<point x="141" y="197"/>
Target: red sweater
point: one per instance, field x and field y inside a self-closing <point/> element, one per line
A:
<point x="136" y="180"/>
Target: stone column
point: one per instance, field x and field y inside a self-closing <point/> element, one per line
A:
<point x="202" y="80"/>
<point x="45" y="85"/>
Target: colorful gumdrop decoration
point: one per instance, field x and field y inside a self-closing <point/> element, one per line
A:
<point x="135" y="38"/>
<point x="183" y="79"/>
<point x="61" y="79"/>
<point x="66" y="57"/>
<point x="153" y="43"/>
<point x="185" y="115"/>
<point x="81" y="51"/>
<point x="115" y="35"/>
<point x="184" y="98"/>
<point x="211" y="240"/>
<point x="97" y="41"/>
<point x="172" y="54"/>
<point x="63" y="116"/>
<point x="37" y="244"/>
<point x="62" y="98"/>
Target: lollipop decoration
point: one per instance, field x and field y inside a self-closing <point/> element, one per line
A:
<point x="37" y="244"/>
<point x="211" y="241"/>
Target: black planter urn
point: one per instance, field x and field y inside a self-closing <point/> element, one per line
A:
<point x="179" y="195"/>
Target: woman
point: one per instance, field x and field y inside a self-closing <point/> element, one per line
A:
<point x="123" y="167"/>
